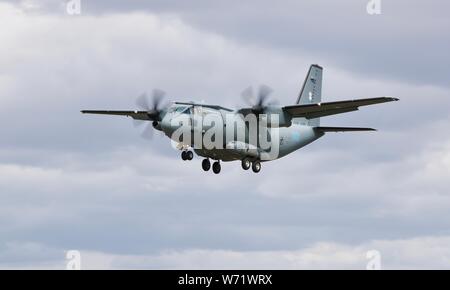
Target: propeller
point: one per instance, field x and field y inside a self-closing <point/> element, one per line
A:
<point x="259" y="103"/>
<point x="153" y="109"/>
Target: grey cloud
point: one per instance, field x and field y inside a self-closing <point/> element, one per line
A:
<point x="71" y="181"/>
<point x="407" y="42"/>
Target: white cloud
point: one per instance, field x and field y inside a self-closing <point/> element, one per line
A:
<point x="415" y="253"/>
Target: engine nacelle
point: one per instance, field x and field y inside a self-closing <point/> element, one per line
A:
<point x="276" y="117"/>
<point x="157" y="125"/>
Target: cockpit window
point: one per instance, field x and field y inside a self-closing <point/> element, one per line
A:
<point x="182" y="110"/>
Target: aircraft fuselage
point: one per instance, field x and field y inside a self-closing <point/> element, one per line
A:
<point x="288" y="139"/>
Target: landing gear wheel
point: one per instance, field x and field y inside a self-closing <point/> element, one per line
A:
<point x="216" y="167"/>
<point x="184" y="155"/>
<point x="246" y="164"/>
<point x="256" y="166"/>
<point x="189" y="155"/>
<point x="206" y="164"/>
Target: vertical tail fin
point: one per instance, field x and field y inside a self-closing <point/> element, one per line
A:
<point x="311" y="92"/>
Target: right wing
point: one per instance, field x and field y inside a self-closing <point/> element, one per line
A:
<point x="137" y="115"/>
<point x="342" y="129"/>
<point x="311" y="111"/>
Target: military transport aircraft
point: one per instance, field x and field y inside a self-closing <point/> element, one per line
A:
<point x="294" y="126"/>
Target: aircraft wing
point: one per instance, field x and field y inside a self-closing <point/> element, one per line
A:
<point x="137" y="115"/>
<point x="311" y="111"/>
<point x="342" y="129"/>
<point x="204" y="105"/>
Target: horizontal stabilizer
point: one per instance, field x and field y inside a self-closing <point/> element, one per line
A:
<point x="342" y="129"/>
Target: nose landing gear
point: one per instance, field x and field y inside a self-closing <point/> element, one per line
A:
<point x="187" y="155"/>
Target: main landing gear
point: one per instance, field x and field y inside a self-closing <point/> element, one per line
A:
<point x="255" y="165"/>
<point x="246" y="163"/>
<point x="216" y="167"/>
<point x="206" y="164"/>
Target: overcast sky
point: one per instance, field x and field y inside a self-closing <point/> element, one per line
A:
<point x="91" y="183"/>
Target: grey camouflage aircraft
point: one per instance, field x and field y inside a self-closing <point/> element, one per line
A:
<point x="294" y="127"/>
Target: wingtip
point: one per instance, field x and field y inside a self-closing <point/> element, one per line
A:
<point x="394" y="99"/>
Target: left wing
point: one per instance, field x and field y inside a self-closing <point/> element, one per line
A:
<point x="311" y="111"/>
<point x="137" y="115"/>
